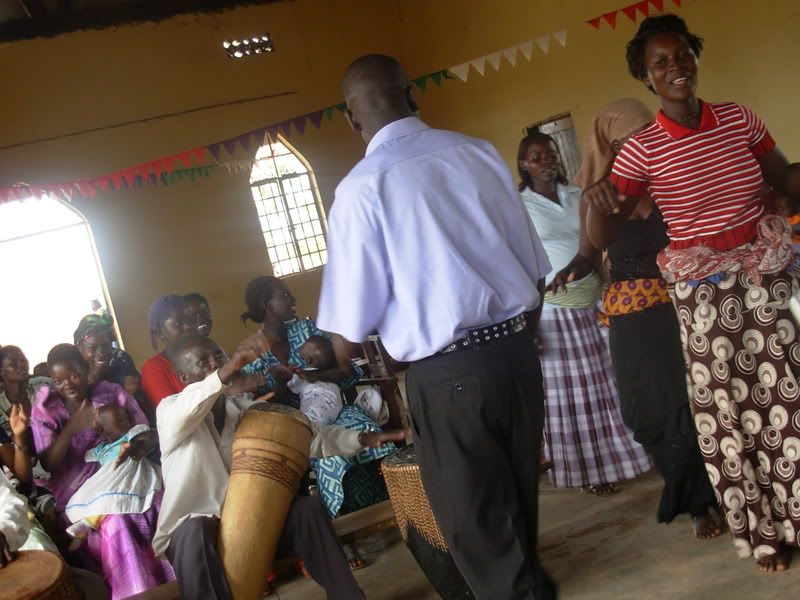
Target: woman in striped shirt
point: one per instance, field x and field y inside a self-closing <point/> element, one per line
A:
<point x="704" y="165"/>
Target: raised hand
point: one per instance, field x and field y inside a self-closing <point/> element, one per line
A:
<point x="19" y="420"/>
<point x="249" y="350"/>
<point x="376" y="439"/>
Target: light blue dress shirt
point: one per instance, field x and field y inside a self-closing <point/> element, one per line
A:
<point x="427" y="238"/>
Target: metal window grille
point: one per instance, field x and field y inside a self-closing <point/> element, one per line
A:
<point x="288" y="208"/>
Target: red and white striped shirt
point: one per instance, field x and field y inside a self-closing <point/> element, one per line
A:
<point x="705" y="181"/>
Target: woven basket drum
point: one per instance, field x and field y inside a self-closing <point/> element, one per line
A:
<point x="270" y="456"/>
<point x="36" y="575"/>
<point x="418" y="526"/>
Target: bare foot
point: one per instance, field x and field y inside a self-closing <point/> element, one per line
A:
<point x="779" y="561"/>
<point x="603" y="489"/>
<point x="706" y="526"/>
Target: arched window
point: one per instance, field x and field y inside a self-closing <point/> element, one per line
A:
<point x="289" y="209"/>
<point x="51" y="274"/>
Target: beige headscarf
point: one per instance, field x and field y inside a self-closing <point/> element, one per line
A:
<point x="615" y="121"/>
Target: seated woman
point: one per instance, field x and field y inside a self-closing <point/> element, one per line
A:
<point x="94" y="337"/>
<point x="270" y="303"/>
<point x="198" y="314"/>
<point x="167" y="320"/>
<point x="63" y="423"/>
<point x="19" y="390"/>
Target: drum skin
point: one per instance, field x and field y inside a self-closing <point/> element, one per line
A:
<point x="36" y="575"/>
<point x="269" y="458"/>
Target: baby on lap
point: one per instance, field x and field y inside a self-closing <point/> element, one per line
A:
<point x="118" y="487"/>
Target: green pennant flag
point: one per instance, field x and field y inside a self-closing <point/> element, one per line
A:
<point x="342" y="106"/>
<point x="437" y="78"/>
<point x="420" y="82"/>
<point x="329" y="112"/>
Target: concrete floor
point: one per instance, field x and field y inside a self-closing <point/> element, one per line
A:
<point x="596" y="548"/>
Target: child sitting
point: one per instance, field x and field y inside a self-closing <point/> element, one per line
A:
<point x="320" y="401"/>
<point x="120" y="486"/>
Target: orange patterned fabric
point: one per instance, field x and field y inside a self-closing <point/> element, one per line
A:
<point x="634" y="295"/>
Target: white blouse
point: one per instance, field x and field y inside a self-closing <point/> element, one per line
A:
<point x="558" y="226"/>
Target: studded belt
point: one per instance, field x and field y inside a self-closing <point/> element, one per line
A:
<point x="480" y="336"/>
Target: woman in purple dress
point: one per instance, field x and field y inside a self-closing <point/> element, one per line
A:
<point x="63" y="430"/>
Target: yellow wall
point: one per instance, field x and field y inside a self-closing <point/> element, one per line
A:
<point x="204" y="236"/>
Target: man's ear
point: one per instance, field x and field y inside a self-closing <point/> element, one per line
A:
<point x="183" y="377"/>
<point x="351" y="120"/>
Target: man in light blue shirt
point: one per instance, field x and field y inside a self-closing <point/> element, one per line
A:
<point x="430" y="246"/>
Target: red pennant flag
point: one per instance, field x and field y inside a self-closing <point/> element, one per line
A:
<point x="595" y="22"/>
<point x="643" y="7"/>
<point x="199" y="154"/>
<point x="66" y="191"/>
<point x="185" y="158"/>
<point x="630" y="12"/>
<point x="37" y="191"/>
<point x="116" y="181"/>
<point x="166" y="165"/>
<point x="611" y="19"/>
<point x="87" y="189"/>
<point x="299" y="123"/>
<point x="102" y="183"/>
<point x="659" y="4"/>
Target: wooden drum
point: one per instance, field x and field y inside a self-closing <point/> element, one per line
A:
<point x="270" y="456"/>
<point x="418" y="526"/>
<point x="36" y="575"/>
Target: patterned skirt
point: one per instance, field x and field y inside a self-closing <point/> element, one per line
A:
<point x="584" y="435"/>
<point x="364" y="484"/>
<point x="744" y="360"/>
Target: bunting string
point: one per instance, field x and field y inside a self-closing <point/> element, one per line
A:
<point x="190" y="165"/>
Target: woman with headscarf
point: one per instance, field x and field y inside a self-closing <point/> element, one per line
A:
<point x="584" y="435"/>
<point x="644" y="335"/>
<point x="95" y="339"/>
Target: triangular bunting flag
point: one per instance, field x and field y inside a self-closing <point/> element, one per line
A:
<point x="66" y="191"/>
<point x="329" y="112"/>
<point x="611" y="18"/>
<point x="185" y="158"/>
<point x="511" y="56"/>
<point x="630" y="12"/>
<point x="544" y="43"/>
<point x="286" y="128"/>
<point x="526" y="48"/>
<point x="494" y="60"/>
<point x="245" y="140"/>
<point x="230" y="146"/>
<point x="272" y="132"/>
<point x="420" y="82"/>
<point x="561" y="36"/>
<point x="595" y="22"/>
<point x="341" y="107"/>
<point x="167" y="164"/>
<point x="129" y="176"/>
<point x="659" y="5"/>
<point x="102" y="183"/>
<point x="315" y="118"/>
<point x="479" y="64"/>
<point x="461" y="71"/>
<point x="437" y="78"/>
<point x="643" y="8"/>
<point x="299" y="123"/>
<point x="116" y="180"/>
<point x="199" y="154"/>
<point x="229" y="167"/>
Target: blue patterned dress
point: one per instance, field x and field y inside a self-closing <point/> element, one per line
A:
<point x="364" y="484"/>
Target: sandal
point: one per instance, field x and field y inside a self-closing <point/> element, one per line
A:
<point x="602" y="489"/>
<point x="354" y="559"/>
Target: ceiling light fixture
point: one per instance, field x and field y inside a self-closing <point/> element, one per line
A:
<point x="257" y="44"/>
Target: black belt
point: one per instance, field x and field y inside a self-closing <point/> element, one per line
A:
<point x="480" y="336"/>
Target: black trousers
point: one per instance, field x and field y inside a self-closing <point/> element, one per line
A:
<point x="477" y="417"/>
<point x="307" y="533"/>
<point x="651" y="374"/>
